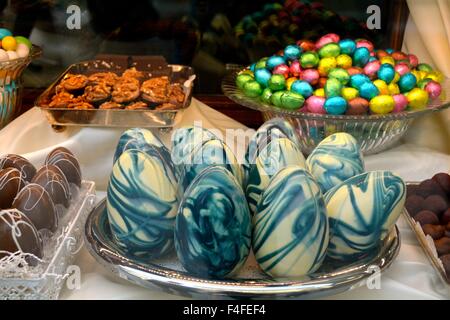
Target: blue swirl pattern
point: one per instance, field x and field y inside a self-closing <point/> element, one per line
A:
<point x="213" y="227"/>
<point x="290" y="234"/>
<point x="362" y="211"/>
<point x="141" y="204"/>
<point x="278" y="154"/>
<point x="337" y="158"/>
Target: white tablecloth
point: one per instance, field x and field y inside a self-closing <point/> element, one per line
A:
<point x="410" y="277"/>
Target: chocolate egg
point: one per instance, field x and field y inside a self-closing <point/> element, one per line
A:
<point x="414" y="204"/>
<point x="302" y="87"/>
<point x="290" y="234"/>
<point x="295" y="68"/>
<point x="334" y="160"/>
<point x="363" y="43"/>
<point x="35" y="202"/>
<point x="20" y="163"/>
<point x="292" y="52"/>
<point x="11" y="182"/>
<point x="361" y="57"/>
<point x="348" y="46"/>
<point x="326" y="65"/>
<point x="401" y="68"/>
<point x="417" y="99"/>
<point x="382" y="87"/>
<point x="277" y="82"/>
<point x="274" y="61"/>
<point x="371" y="68"/>
<point x="344" y="61"/>
<point x="357" y="80"/>
<point x="401" y="102"/>
<point x="55" y="183"/>
<point x="349" y="93"/>
<point x="310" y="75"/>
<point x="266" y="96"/>
<point x="291" y="100"/>
<point x="309" y="59"/>
<point x="282" y="69"/>
<point x="426" y="217"/>
<point x="382" y="104"/>
<point x="340" y="74"/>
<point x="370" y="203"/>
<point x="386" y="73"/>
<point x="434" y="89"/>
<point x="333" y="88"/>
<point x="262" y="76"/>
<point x="252" y="89"/>
<point x="443" y="179"/>
<point x="434" y="231"/>
<point x="315" y="104"/>
<point x="242" y="79"/>
<point x="326" y="39"/>
<point x="357" y="106"/>
<point x="407" y="82"/>
<point x="368" y="90"/>
<point x="67" y="163"/>
<point x="213" y="226"/>
<point x="329" y="50"/>
<point x="335" y="105"/>
<point x="141" y="205"/>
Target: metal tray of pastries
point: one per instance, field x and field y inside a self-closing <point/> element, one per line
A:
<point x="119" y="91"/>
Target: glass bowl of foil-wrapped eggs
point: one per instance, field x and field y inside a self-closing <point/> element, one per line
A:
<point x="340" y="85"/>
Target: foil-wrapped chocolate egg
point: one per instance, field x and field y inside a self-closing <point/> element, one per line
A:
<point x="357" y="106"/>
<point x="370" y="203"/>
<point x="393" y="89"/>
<point x="242" y="79"/>
<point x="382" y="104"/>
<point x="302" y="87"/>
<point x="65" y="160"/>
<point x="363" y="43"/>
<point x="315" y="104"/>
<point x="53" y="180"/>
<point x="282" y="69"/>
<point x="343" y="61"/>
<point x="329" y="50"/>
<point x="332" y="88"/>
<point x="306" y="45"/>
<point x="348" y="46"/>
<point x="382" y="86"/>
<point x="262" y="76"/>
<point x="275" y="98"/>
<point x="295" y="68"/>
<point x="292" y="52"/>
<point x="434" y="89"/>
<point x="407" y="82"/>
<point x="11" y="182"/>
<point x="277" y="82"/>
<point x="266" y="95"/>
<point x="252" y="89"/>
<point x="354" y="70"/>
<point x="310" y="75"/>
<point x="424" y="67"/>
<point x="326" y="39"/>
<point x="401" y="102"/>
<point x="413" y="60"/>
<point x="20" y="163"/>
<point x="290" y="234"/>
<point x="371" y="68"/>
<point x="291" y="100"/>
<point x="368" y="90"/>
<point x="417" y="99"/>
<point x="361" y="57"/>
<point x="357" y="80"/>
<point x="326" y="65"/>
<point x="349" y="93"/>
<point x="334" y="160"/>
<point x="401" y="68"/>
<point x="309" y="59"/>
<point x="335" y="105"/>
<point x="274" y="61"/>
<point x="339" y="74"/>
<point x="213" y="225"/>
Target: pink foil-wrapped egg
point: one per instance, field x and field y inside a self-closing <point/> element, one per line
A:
<point x="364" y="43"/>
<point x="281" y="69"/>
<point x="371" y="68"/>
<point x="310" y="75"/>
<point x="328" y="38"/>
<point x="400" y="103"/>
<point x="315" y="104"/>
<point x="413" y="60"/>
<point x="434" y="89"/>
<point x="295" y="69"/>
<point x="401" y="68"/>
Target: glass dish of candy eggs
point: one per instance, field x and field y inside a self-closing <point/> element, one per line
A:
<point x="340" y="85"/>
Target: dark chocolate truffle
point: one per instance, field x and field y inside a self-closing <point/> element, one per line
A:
<point x="412" y="189"/>
<point x="435" y="231"/>
<point x="414" y="204"/>
<point x="11" y="182"/>
<point x="446" y="262"/>
<point x="55" y="183"/>
<point x="35" y="202"/>
<point x="20" y="163"/>
<point x="426" y="217"/>
<point x="442" y="245"/>
<point x="445" y="218"/>
<point x="435" y="203"/>
<point x="66" y="161"/>
<point x="429" y="187"/>
<point x="17" y="233"/>
<point x="444" y="181"/>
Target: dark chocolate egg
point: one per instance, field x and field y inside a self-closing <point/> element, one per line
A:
<point x="11" y="182"/>
<point x="66" y="161"/>
<point x="442" y="245"/>
<point x="35" y="202"/>
<point x="414" y="204"/>
<point x="435" y="231"/>
<point x="446" y="217"/>
<point x="444" y="181"/>
<point x="17" y="233"/>
<point x="20" y="163"/>
<point x="435" y="203"/>
<point x="426" y="217"/>
<point x="429" y="187"/>
<point x="55" y="183"/>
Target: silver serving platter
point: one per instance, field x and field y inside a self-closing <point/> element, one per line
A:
<point x="168" y="275"/>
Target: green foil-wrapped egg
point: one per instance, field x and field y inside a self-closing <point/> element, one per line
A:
<point x="309" y="59"/>
<point x="242" y="79"/>
<point x="252" y="89"/>
<point x="261" y="64"/>
<point x="417" y="99"/>
<point x="291" y="100"/>
<point x="266" y="95"/>
<point x="276" y="98"/>
<point x="424" y="67"/>
<point x="277" y="82"/>
<point x="339" y="74"/>
<point x="333" y="88"/>
<point x="330" y="50"/>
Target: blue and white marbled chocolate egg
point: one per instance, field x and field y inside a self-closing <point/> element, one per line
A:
<point x="290" y="234"/>
<point x="334" y="160"/>
<point x="211" y="152"/>
<point x="213" y="226"/>
<point x="278" y="154"/>
<point x="362" y="211"/>
<point x="141" y="204"/>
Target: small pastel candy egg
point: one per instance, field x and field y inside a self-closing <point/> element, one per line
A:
<point x="9" y="43"/>
<point x="333" y="88"/>
<point x="291" y="100"/>
<point x="310" y="75"/>
<point x="424" y="67"/>
<point x="262" y="76"/>
<point x="434" y="89"/>
<point x="339" y="74"/>
<point x="319" y="92"/>
<point x="401" y="68"/>
<point x="277" y="82"/>
<point x="309" y="59"/>
<point x="3" y="55"/>
<point x="289" y="82"/>
<point x="335" y="105"/>
<point x="292" y="52"/>
<point x="357" y="80"/>
<point x="417" y="99"/>
<point x="393" y="88"/>
<point x="354" y="70"/>
<point x="386" y="73"/>
<point x="361" y="57"/>
<point x="276" y="98"/>
<point x="381" y="86"/>
<point x="325" y="65"/>
<point x="343" y="61"/>
<point x="382" y="104"/>
<point x="329" y="50"/>
<point x="302" y="87"/>
<point x="371" y="68"/>
<point x="274" y="61"/>
<point x="12" y="55"/>
<point x="295" y="69"/>
<point x="315" y="104"/>
<point x="4" y="33"/>
<point x="407" y="82"/>
<point x="25" y="41"/>
<point x="349" y="93"/>
<point x="401" y="102"/>
<point x="242" y="79"/>
<point x="368" y="90"/>
<point x="436" y="76"/>
<point x="252" y="89"/>
<point x="413" y="60"/>
<point x="266" y="95"/>
<point x="281" y="69"/>
<point x="357" y="106"/>
<point x="348" y="46"/>
<point x="388" y="60"/>
<point x="328" y="38"/>
<point x="363" y="43"/>
<point x="398" y="55"/>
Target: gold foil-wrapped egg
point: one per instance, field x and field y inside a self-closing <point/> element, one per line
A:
<point x="417" y="99"/>
<point x="382" y="104"/>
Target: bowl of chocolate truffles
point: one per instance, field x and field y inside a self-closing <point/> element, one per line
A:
<point x="42" y="212"/>
<point x="428" y="208"/>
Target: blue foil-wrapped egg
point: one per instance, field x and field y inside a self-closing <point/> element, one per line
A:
<point x="274" y="61"/>
<point x="368" y="90"/>
<point x="357" y="80"/>
<point x="303" y="88"/>
<point x="361" y="56"/>
<point x="407" y="82"/>
<point x="348" y="46"/>
<point x="213" y="225"/>
<point x="292" y="52"/>
<point x="386" y="73"/>
<point x="141" y="205"/>
<point x="278" y="154"/>
<point x="290" y="234"/>
<point x="4" y="33"/>
<point x="334" y="160"/>
<point x="262" y="76"/>
<point x="335" y="105"/>
<point x="361" y="212"/>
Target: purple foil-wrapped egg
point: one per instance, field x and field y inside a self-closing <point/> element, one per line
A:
<point x="371" y="68"/>
<point x="434" y="89"/>
<point x="364" y="43"/>
<point x="400" y="103"/>
<point x="328" y="38"/>
<point x="413" y="60"/>
<point x="401" y="68"/>
<point x="295" y="69"/>
<point x="281" y="69"/>
<point x="310" y="75"/>
<point x="314" y="104"/>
